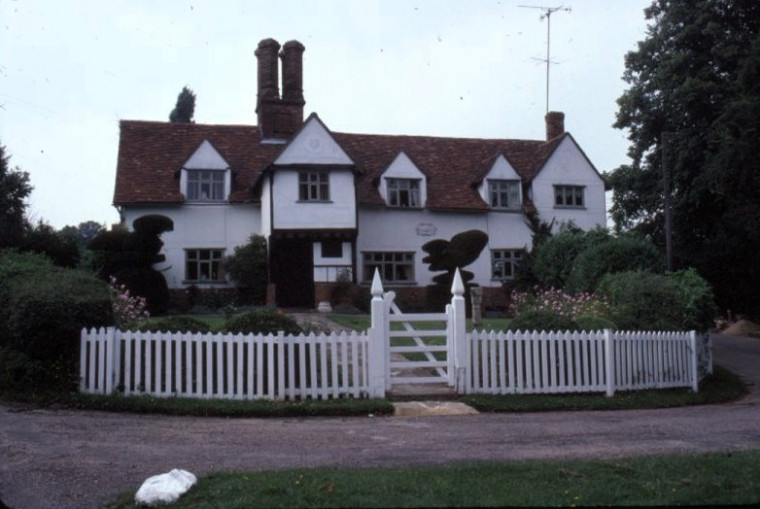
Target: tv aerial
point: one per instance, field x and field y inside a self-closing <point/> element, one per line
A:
<point x="547" y="13"/>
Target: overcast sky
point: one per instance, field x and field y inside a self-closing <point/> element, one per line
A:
<point x="70" y="70"/>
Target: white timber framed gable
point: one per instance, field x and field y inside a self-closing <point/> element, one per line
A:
<point x="312" y="183"/>
<point x="568" y="188"/>
<point x="310" y="193"/>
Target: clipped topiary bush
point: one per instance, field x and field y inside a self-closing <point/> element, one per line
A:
<point x="610" y="256"/>
<point x="542" y="321"/>
<point x="263" y="321"/>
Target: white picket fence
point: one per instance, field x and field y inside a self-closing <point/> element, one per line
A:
<point x="360" y="364"/>
<point x="565" y="362"/>
<point x="233" y="366"/>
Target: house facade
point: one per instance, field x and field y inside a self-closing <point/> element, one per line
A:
<point x="337" y="206"/>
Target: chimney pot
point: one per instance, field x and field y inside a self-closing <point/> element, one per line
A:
<point x="555" y="124"/>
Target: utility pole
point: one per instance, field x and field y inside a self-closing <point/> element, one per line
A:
<point x="665" y="141"/>
<point x="548" y="11"/>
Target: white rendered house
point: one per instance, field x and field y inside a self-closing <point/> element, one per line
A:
<point x="340" y="205"/>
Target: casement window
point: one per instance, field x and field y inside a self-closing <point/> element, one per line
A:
<point x="204" y="265"/>
<point x="313" y="186"/>
<point x="504" y="194"/>
<point x="205" y="185"/>
<point x="394" y="267"/>
<point x="403" y="193"/>
<point x="504" y="263"/>
<point x="569" y="196"/>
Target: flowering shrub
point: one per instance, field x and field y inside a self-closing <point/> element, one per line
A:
<point x="128" y="310"/>
<point x="558" y="302"/>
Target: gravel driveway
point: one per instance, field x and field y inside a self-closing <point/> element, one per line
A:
<point x="80" y="459"/>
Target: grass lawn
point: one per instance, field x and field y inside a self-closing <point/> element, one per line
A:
<point x="705" y="479"/>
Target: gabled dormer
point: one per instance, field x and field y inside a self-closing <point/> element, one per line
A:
<point x="206" y="176"/>
<point x="403" y="184"/>
<point x="502" y="187"/>
<point x="310" y="184"/>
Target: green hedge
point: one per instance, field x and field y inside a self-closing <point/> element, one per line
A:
<point x="646" y="301"/>
<point x="44" y="310"/>
<point x="610" y="256"/>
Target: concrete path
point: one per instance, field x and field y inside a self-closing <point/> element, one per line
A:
<point x="80" y="459"/>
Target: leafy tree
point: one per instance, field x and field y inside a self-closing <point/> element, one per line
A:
<point x="185" y="108"/>
<point x="84" y="232"/>
<point x="14" y="190"/>
<point x="60" y="248"/>
<point x="695" y="76"/>
<point x="553" y="260"/>
<point x="248" y="266"/>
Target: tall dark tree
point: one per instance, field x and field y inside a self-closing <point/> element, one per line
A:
<point x="185" y="108"/>
<point x="693" y="81"/>
<point x="14" y="190"/>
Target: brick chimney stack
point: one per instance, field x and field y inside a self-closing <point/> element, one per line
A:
<point x="279" y="117"/>
<point x="292" y="71"/>
<point x="555" y="124"/>
<point x="268" y="74"/>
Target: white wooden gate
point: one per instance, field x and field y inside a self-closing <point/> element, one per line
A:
<point x="418" y="355"/>
<point x="424" y="354"/>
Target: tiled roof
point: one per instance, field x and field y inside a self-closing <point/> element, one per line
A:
<point x="152" y="153"/>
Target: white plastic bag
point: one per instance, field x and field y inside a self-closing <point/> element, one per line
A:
<point x="165" y="488"/>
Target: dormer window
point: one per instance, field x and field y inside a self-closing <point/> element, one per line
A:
<point x="205" y="185"/>
<point x="403" y="193"/>
<point x="504" y="194"/>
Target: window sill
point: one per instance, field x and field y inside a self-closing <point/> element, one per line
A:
<point x="512" y="210"/>
<point x="314" y="201"/>
<point x="570" y="207"/>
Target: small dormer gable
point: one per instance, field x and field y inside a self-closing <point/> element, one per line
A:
<point x="402" y="184"/>
<point x="501" y="187"/>
<point x="205" y="176"/>
<point x="206" y="157"/>
<point x="313" y="145"/>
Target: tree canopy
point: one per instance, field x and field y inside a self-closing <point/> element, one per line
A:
<point x="185" y="108"/>
<point x="694" y="82"/>
<point x="14" y="190"/>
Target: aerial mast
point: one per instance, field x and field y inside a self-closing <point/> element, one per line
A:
<point x="547" y="13"/>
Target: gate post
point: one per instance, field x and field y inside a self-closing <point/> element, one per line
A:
<point x="609" y="362"/>
<point x="378" y="343"/>
<point x="459" y="331"/>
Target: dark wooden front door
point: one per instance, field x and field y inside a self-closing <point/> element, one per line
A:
<point x="292" y="270"/>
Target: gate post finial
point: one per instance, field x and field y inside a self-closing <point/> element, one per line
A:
<point x="377" y="285"/>
<point x="457" y="286"/>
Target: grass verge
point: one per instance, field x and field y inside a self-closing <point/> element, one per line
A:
<point x="720" y="387"/>
<point x="704" y="479"/>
